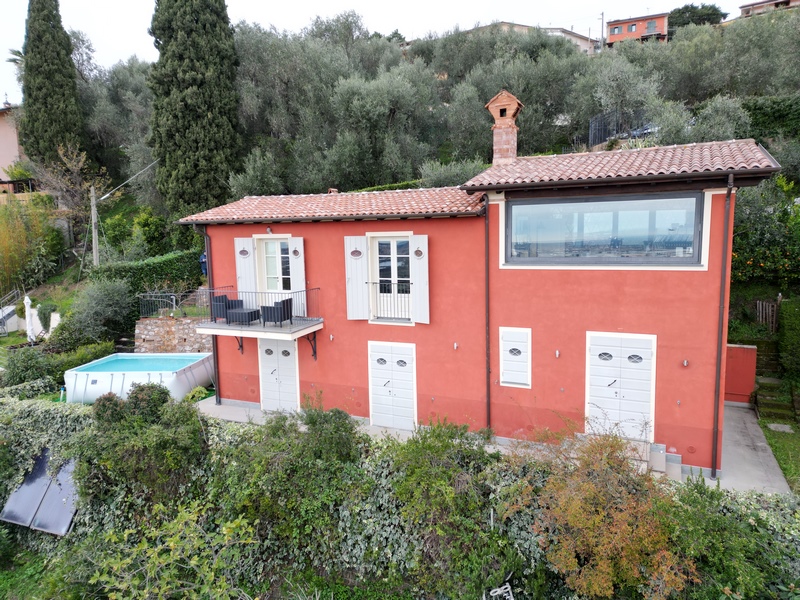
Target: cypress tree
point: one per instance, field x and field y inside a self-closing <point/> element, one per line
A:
<point x="51" y="114"/>
<point x="195" y="126"/>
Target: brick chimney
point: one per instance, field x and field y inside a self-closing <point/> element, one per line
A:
<point x="504" y="108"/>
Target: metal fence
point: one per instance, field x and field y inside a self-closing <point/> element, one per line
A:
<point x="230" y="305"/>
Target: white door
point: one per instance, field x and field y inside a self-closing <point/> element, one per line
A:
<point x="278" y="368"/>
<point x="621" y="384"/>
<point x="392" y="388"/>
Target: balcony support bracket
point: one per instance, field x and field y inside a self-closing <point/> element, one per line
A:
<point x="311" y="338"/>
<point x="239" y="341"/>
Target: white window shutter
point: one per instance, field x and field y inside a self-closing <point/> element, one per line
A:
<point x="515" y="357"/>
<point x="420" y="295"/>
<point x="297" y="264"/>
<point x="356" y="263"/>
<point x="245" y="264"/>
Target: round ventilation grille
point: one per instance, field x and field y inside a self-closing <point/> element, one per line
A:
<point x="419" y="253"/>
<point x="295" y="252"/>
<point x="604" y="356"/>
<point x="268" y="352"/>
<point x="285" y="352"/>
<point x="635" y="358"/>
<point x="401" y="363"/>
<point x="515" y="352"/>
<point x="381" y="361"/>
<point x="244" y="252"/>
<point x="355" y="253"/>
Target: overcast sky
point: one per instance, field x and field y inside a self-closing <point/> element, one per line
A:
<point x="118" y="29"/>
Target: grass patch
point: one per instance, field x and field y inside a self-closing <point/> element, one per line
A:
<point x="786" y="448"/>
<point x="23" y="577"/>
<point x="13" y="338"/>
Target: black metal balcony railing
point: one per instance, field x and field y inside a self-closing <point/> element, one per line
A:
<point x="391" y="300"/>
<point x="228" y="306"/>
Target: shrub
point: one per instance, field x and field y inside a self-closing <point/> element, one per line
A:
<point x="145" y="400"/>
<point x="173" y="271"/>
<point x="603" y="523"/>
<point x="45" y="311"/>
<point x="435" y="174"/>
<point x="25" y="364"/>
<point x="187" y="555"/>
<point x="30" y="389"/>
<point x="68" y="336"/>
<point x="104" y="309"/>
<point x="789" y="336"/>
<point x="442" y="490"/>
<point x="108" y="409"/>
<point x="144" y="444"/>
<point x="195" y="395"/>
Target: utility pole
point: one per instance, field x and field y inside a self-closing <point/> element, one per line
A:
<point x="95" y="240"/>
<point x="602" y="29"/>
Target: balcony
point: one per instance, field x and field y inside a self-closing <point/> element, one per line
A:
<point x="226" y="311"/>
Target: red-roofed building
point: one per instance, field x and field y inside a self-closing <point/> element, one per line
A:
<point x="544" y="290"/>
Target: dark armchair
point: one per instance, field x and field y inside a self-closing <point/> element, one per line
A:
<point x="220" y="306"/>
<point x="277" y="313"/>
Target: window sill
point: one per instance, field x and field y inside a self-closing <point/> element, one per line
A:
<point x="400" y="322"/>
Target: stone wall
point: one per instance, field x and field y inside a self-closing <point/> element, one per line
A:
<point x="166" y="334"/>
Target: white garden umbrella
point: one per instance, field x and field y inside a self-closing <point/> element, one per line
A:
<point x="29" y="319"/>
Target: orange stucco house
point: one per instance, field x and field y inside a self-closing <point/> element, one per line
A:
<point x="589" y="288"/>
<point x="650" y="27"/>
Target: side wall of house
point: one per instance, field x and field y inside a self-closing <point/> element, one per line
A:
<point x="449" y="381"/>
<point x="680" y="308"/>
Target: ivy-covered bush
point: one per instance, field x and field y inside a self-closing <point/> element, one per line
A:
<point x="30" y="389"/>
<point x="789" y="336"/>
<point x="174" y="271"/>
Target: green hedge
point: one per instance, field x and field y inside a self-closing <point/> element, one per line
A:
<point x="771" y="116"/>
<point x="789" y="335"/>
<point x="57" y="364"/>
<point x="173" y="271"/>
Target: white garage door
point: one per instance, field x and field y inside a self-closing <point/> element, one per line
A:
<point x="392" y="392"/>
<point x="278" y="360"/>
<point x="621" y="384"/>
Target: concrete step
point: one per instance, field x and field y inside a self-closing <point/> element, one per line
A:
<point x="673" y="469"/>
<point x="769" y="383"/>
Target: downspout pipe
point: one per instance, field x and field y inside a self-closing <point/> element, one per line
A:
<point x="486" y="304"/>
<point x="723" y="280"/>
<point x="210" y="271"/>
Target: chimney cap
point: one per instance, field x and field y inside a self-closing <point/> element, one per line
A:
<point x="504" y="107"/>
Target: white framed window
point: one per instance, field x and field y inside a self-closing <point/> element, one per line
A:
<point x="387" y="277"/>
<point x="515" y="357"/>
<point x="279" y="264"/>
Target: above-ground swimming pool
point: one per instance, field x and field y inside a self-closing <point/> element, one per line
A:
<point x="179" y="373"/>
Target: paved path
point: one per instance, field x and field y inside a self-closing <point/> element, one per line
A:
<point x="747" y="461"/>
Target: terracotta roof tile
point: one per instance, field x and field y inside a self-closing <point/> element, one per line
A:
<point x="354" y="205"/>
<point x="709" y="157"/>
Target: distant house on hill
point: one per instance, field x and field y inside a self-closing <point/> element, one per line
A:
<point x="10" y="150"/>
<point x="650" y="27"/>
<point x="758" y="8"/>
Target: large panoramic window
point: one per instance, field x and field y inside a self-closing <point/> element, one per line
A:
<point x="612" y="230"/>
